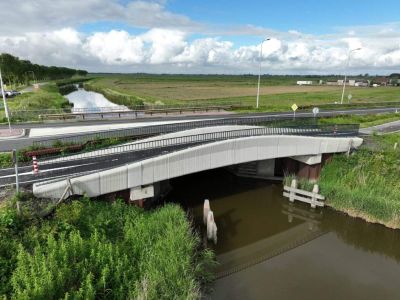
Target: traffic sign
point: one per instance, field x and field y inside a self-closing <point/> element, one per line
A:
<point x="294" y="107"/>
<point x="315" y="111"/>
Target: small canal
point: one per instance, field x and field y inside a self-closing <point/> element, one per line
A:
<point x="270" y="249"/>
<point x="90" y="101"/>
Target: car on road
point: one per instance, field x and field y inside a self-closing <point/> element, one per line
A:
<point x="10" y="94"/>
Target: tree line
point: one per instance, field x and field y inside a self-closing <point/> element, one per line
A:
<point x="17" y="71"/>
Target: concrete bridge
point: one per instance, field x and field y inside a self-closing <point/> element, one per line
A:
<point x="142" y="177"/>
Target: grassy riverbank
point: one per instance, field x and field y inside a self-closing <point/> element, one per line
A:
<point x="367" y="183"/>
<point x="94" y="250"/>
<point x="47" y="97"/>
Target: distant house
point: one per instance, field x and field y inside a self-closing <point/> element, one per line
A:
<point x="332" y="83"/>
<point x="381" y="81"/>
<point x="395" y="82"/>
<point x="362" y="83"/>
<point x="304" y="82"/>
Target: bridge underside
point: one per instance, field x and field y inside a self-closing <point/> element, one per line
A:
<point x="200" y="158"/>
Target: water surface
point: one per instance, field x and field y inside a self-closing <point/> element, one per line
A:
<point x="270" y="249"/>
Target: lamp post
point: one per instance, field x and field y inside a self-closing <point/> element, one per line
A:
<point x="259" y="72"/>
<point x="345" y="72"/>
<point x="6" y="111"/>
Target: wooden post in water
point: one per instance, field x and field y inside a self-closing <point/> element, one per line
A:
<point x="206" y="209"/>
<point x="293" y="193"/>
<point x="314" y="196"/>
<point x="211" y="227"/>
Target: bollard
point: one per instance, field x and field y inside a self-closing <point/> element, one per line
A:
<point x="35" y="165"/>
<point x="395" y="146"/>
<point x="292" y="193"/>
<point x="206" y="209"/>
<point x="314" y="196"/>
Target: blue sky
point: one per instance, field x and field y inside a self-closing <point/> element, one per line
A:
<point x="205" y="36"/>
<point x="310" y="16"/>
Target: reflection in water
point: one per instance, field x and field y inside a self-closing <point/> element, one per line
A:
<point x="270" y="248"/>
<point x="95" y="101"/>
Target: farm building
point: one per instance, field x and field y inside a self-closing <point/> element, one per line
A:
<point x="304" y="82"/>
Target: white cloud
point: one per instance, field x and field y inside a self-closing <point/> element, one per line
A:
<point x="169" y="50"/>
<point x="21" y="16"/>
<point x="115" y="48"/>
<point x="44" y="31"/>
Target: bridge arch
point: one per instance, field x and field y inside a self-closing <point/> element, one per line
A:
<point x="195" y="159"/>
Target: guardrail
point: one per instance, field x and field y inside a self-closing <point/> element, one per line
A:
<point x="75" y="115"/>
<point x="341" y="130"/>
<point x="34" y="114"/>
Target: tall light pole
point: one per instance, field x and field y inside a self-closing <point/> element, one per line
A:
<point x="259" y="71"/>
<point x="345" y="72"/>
<point x="6" y="111"/>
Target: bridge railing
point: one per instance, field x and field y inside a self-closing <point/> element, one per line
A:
<point x="144" y="131"/>
<point x="341" y="130"/>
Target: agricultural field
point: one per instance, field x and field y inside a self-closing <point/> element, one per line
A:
<point x="277" y="92"/>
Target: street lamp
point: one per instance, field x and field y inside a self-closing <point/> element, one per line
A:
<point x="259" y="71"/>
<point x="345" y="71"/>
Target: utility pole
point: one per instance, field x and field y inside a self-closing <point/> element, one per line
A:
<point x="5" y="102"/>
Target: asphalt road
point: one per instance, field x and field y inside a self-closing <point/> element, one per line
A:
<point x="83" y="166"/>
<point x="7" y="145"/>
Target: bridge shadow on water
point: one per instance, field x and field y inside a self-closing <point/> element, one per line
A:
<point x="258" y="227"/>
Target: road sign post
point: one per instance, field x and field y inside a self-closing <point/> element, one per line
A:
<point x="15" y="162"/>
<point x="294" y="108"/>
<point x="350" y="96"/>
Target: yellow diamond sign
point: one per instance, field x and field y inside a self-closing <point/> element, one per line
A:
<point x="294" y="107"/>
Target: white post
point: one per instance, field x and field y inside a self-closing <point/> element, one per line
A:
<point x="345" y="72"/>
<point x="259" y="73"/>
<point x="210" y="225"/>
<point x="206" y="209"/>
<point x="314" y="196"/>
<point x="5" y="102"/>
<point x="15" y="161"/>
<point x="292" y="193"/>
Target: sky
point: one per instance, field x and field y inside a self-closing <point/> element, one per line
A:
<point x="207" y="36"/>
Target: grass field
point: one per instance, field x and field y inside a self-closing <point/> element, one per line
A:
<point x="277" y="93"/>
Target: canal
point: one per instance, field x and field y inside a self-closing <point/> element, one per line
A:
<point x="270" y="249"/>
<point x="90" y="101"/>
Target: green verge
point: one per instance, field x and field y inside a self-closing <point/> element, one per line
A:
<point x="366" y="184"/>
<point x="364" y="120"/>
<point x="47" y="97"/>
<point x="98" y="250"/>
